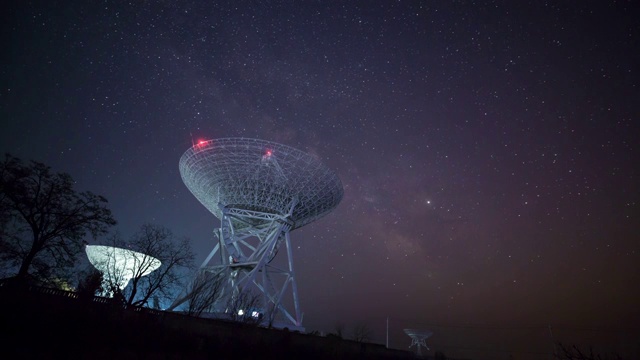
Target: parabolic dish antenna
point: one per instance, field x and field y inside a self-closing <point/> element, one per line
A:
<point x="262" y="176"/>
<point x="260" y="191"/>
<point x="118" y="266"/>
<point x="418" y="338"/>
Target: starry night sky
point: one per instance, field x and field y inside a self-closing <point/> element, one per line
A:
<point x="486" y="148"/>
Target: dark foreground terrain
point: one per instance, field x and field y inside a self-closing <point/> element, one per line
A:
<point x="40" y="323"/>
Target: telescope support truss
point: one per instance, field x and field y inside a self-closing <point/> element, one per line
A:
<point x="260" y="191"/>
<point x="247" y="243"/>
<point x="419" y="342"/>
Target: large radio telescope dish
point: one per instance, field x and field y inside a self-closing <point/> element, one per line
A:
<point x="260" y="191"/>
<point x="118" y="265"/>
<point x="259" y="175"/>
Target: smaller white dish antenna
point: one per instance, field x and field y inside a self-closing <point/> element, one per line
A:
<point x="418" y="338"/>
<point x="118" y="265"/>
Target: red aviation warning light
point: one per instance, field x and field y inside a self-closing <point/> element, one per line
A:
<point x="267" y="155"/>
<point x="200" y="143"/>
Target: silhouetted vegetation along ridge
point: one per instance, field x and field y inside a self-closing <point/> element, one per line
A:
<point x="102" y="328"/>
<point x="43" y="219"/>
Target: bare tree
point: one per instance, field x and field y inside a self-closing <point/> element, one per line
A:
<point x="574" y="353"/>
<point x="243" y="307"/>
<point x="205" y="290"/>
<point x="90" y="284"/>
<point x="44" y="220"/>
<point x="361" y="333"/>
<point x="272" y="310"/>
<point x="338" y="330"/>
<point x="152" y="243"/>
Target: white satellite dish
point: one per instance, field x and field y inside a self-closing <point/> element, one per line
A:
<point x="418" y="338"/>
<point x="261" y="191"/>
<point x="118" y="265"/>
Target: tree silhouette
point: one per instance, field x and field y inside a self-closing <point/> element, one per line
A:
<point x="361" y="333"/>
<point x="338" y="329"/>
<point x="564" y="352"/>
<point x="90" y="284"/>
<point x="44" y="220"/>
<point x="243" y="307"/>
<point x="205" y="290"/>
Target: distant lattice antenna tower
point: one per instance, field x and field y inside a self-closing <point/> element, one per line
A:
<point x="118" y="266"/>
<point x="418" y="338"/>
<point x="260" y="191"/>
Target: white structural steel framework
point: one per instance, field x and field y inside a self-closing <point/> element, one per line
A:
<point x="418" y="338"/>
<point x="248" y="264"/>
<point x="260" y="191"/>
